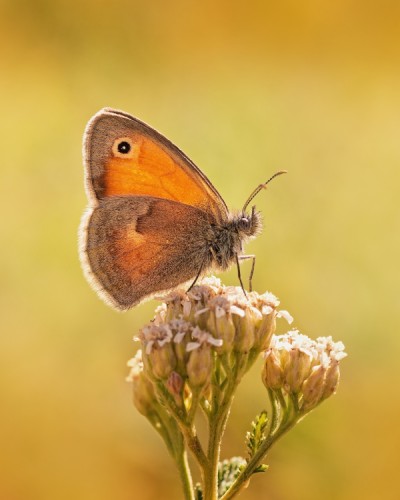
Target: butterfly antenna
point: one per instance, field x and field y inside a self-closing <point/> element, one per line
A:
<point x="262" y="186"/>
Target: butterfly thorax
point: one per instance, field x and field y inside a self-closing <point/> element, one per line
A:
<point x="227" y="238"/>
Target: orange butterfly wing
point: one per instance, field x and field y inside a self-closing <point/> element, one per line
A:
<point x="136" y="246"/>
<point x="147" y="228"/>
<point x="153" y="166"/>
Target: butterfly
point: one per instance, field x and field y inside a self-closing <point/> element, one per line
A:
<point x="154" y="220"/>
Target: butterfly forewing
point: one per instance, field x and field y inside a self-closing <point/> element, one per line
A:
<point x="153" y="166"/>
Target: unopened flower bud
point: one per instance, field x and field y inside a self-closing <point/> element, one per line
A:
<point x="266" y="328"/>
<point x="143" y="391"/>
<point x="244" y="338"/>
<point x="175" y="305"/>
<point x="181" y="335"/>
<point x="266" y="304"/>
<point x="200" y="295"/>
<point x="220" y="323"/>
<point x="143" y="394"/>
<point x="162" y="360"/>
<point x="331" y="379"/>
<point x="199" y="366"/>
<point x="313" y="387"/>
<point x="297" y="369"/>
<point x="159" y="355"/>
<point x="174" y="385"/>
<point x="272" y="372"/>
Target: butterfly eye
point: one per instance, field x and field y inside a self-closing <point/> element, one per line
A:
<point x="123" y="147"/>
<point x="244" y="224"/>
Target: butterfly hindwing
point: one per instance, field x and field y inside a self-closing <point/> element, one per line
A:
<point x="134" y="247"/>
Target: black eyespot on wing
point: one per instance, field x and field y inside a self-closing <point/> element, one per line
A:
<point x="124" y="147"/>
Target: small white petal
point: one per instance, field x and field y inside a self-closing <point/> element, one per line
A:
<point x="285" y="315"/>
<point x="256" y="312"/>
<point x="267" y="310"/>
<point x="201" y="311"/>
<point x="238" y="311"/>
<point x="339" y="346"/>
<point x="192" y="346"/>
<point x="216" y="342"/>
<point x="149" y="346"/>
<point x="270" y="297"/>
<point x="179" y="337"/>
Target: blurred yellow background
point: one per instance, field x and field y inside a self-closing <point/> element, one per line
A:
<point x="245" y="89"/>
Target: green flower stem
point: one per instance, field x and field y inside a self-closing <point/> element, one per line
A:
<point x="254" y="354"/>
<point x="295" y="403"/>
<point x="158" y="421"/>
<point x="185" y="474"/>
<point x="281" y="399"/>
<point x="217" y="421"/>
<point x="195" y="447"/>
<point x="169" y="431"/>
<point x="193" y="406"/>
<point x="173" y="438"/>
<point x="274" y="411"/>
<point x="256" y="460"/>
<point x="188" y="430"/>
<point x="226" y="363"/>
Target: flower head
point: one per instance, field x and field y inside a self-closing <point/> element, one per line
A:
<point x="242" y="322"/>
<point x="190" y="330"/>
<point x="306" y="368"/>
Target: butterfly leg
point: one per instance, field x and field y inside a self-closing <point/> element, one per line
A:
<point x="196" y="278"/>
<point x="253" y="264"/>
<point x="240" y="274"/>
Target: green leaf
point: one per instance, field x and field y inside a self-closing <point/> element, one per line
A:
<point x="261" y="468"/>
<point x="228" y="471"/>
<point x="257" y="436"/>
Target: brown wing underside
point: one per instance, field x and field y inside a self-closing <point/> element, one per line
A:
<point x="137" y="246"/>
<point x="154" y="166"/>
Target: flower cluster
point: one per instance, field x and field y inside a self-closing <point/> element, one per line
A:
<point x="308" y="369"/>
<point x="194" y="354"/>
<point x="192" y="329"/>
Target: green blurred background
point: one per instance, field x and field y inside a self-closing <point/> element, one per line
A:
<point x="244" y="88"/>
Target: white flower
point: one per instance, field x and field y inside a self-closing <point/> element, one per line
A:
<point x="136" y="366"/>
<point x="151" y="334"/>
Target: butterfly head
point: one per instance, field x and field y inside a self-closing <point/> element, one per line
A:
<point x="248" y="224"/>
